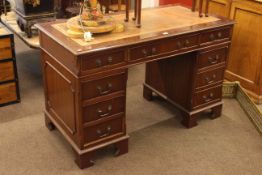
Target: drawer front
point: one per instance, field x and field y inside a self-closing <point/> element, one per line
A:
<point x="163" y="47"/>
<point x="5" y="48"/>
<point x="104" y="109"/>
<point x="6" y="71"/>
<point x="215" y="35"/>
<point x="212" y="58"/>
<point x="8" y="93"/>
<point x="207" y="97"/>
<point x="210" y="77"/>
<point x="103" y="131"/>
<point x="97" y="62"/>
<point x="104" y="86"/>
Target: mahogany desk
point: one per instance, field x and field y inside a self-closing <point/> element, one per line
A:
<point x="85" y="83"/>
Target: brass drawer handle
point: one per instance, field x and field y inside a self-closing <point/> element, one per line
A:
<point x="105" y="133"/>
<point x="213" y="60"/>
<point x="98" y="63"/>
<point x="110" y="59"/>
<point x="208" y="98"/>
<point x="219" y="35"/>
<point x="144" y="51"/>
<point x="212" y="37"/>
<point x="179" y="45"/>
<point x="211" y="80"/>
<point x="153" y="50"/>
<point x="104" y="114"/>
<point x="106" y="91"/>
<point x="187" y="42"/>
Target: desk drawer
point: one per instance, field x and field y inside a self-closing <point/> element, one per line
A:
<point x="104" y="86"/>
<point x="101" y="61"/>
<point x="163" y="47"/>
<point x="212" y="58"/>
<point x="8" y="93"/>
<point x="215" y="35"/>
<point x="5" y="48"/>
<point x="104" y="109"/>
<point x="207" y="97"/>
<point x="6" y="71"/>
<point x="104" y="131"/>
<point x="210" y="77"/>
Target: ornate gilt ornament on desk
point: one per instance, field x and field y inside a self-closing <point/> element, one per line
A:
<point x="91" y="21"/>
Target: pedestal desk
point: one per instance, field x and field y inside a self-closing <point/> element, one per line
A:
<point x="85" y="82"/>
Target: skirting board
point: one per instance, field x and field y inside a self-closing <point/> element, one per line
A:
<point x="234" y="90"/>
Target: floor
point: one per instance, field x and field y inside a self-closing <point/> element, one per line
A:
<point x="159" y="144"/>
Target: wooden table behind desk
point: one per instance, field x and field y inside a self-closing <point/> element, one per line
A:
<point x="85" y="83"/>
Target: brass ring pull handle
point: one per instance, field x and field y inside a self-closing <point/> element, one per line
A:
<point x="98" y="63"/>
<point x="153" y="50"/>
<point x="104" y="114"/>
<point x="212" y="37"/>
<point x="209" y="80"/>
<point x="105" y="133"/>
<point x="208" y="98"/>
<point x="179" y="45"/>
<point x="213" y="60"/>
<point x="144" y="51"/>
<point x="109" y="59"/>
<point x="187" y="43"/>
<point x="5" y="48"/>
<point x="103" y="92"/>
<point x="219" y="35"/>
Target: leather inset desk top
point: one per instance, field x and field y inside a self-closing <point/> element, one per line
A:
<point x="176" y="17"/>
<point x="177" y="20"/>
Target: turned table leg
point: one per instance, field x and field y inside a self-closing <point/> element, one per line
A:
<point x="139" y="8"/>
<point x="200" y="8"/>
<point x="206" y="10"/>
<point x="135" y="11"/>
<point x="193" y="5"/>
<point x="127" y="10"/>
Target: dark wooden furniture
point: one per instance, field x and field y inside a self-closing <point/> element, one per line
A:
<point x="85" y="83"/>
<point x="4" y="7"/>
<point x="9" y="91"/>
<point x="28" y="15"/>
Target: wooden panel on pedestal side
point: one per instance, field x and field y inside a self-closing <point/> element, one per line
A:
<point x="61" y="98"/>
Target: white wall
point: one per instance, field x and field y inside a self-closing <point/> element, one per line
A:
<point x="150" y="3"/>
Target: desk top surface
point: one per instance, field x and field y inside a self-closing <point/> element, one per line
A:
<point x="156" y="23"/>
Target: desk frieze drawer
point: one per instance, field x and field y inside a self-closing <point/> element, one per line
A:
<point x="215" y="35"/>
<point x="213" y="57"/>
<point x="104" y="86"/>
<point x="207" y="97"/>
<point x="94" y="134"/>
<point x="97" y="62"/>
<point x="6" y="71"/>
<point x="209" y="78"/>
<point x="103" y="110"/>
<point x="163" y="47"/>
<point x="5" y="48"/>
